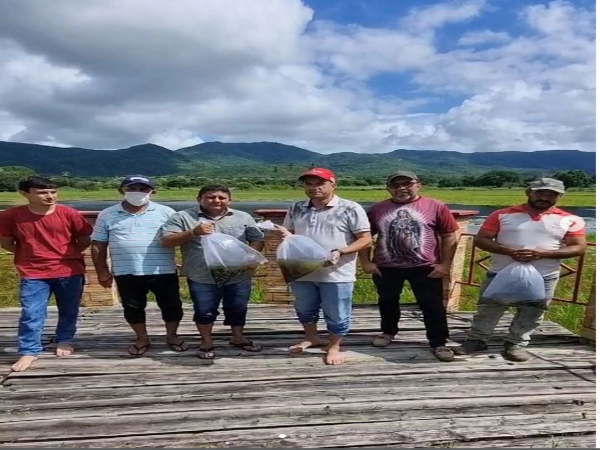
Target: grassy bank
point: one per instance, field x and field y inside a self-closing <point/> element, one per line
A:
<point x="568" y="315"/>
<point x="466" y="196"/>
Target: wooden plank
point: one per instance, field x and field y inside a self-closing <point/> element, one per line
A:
<point x="578" y="441"/>
<point x="50" y="365"/>
<point x="265" y="392"/>
<point x="274" y="376"/>
<point x="344" y="435"/>
<point x="392" y="408"/>
<point x="207" y="404"/>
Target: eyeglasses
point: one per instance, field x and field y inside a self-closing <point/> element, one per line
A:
<point x="404" y="185"/>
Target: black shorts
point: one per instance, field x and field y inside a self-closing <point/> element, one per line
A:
<point x="134" y="289"/>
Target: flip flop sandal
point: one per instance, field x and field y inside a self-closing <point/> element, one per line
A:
<point x="179" y="347"/>
<point x="139" y="351"/>
<point x="248" y="346"/>
<point x="206" y="353"/>
<point x="382" y="340"/>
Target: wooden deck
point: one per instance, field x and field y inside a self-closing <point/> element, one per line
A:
<point x="399" y="397"/>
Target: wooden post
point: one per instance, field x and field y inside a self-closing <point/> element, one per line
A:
<point x="452" y="289"/>
<point x="93" y="294"/>
<point x="588" y="329"/>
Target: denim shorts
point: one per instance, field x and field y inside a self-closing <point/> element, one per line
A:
<point x="207" y="298"/>
<point x="335" y="299"/>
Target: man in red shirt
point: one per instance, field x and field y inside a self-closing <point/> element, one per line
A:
<point x="47" y="240"/>
<point x="416" y="242"/>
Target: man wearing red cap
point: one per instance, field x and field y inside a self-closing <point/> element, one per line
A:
<point x="342" y="227"/>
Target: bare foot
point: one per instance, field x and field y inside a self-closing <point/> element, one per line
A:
<point x="309" y="342"/>
<point x="23" y="363"/>
<point x="64" y="350"/>
<point x="335" y="357"/>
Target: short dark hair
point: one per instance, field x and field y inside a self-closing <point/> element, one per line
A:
<point x="214" y="188"/>
<point x="36" y="182"/>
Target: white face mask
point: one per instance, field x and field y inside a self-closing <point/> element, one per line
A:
<point x="137" y="198"/>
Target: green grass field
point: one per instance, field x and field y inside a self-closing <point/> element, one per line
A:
<point x="467" y="196"/>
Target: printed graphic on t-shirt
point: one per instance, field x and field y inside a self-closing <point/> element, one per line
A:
<point x="404" y="238"/>
<point x="407" y="234"/>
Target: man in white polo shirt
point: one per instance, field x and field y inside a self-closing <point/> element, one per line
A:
<point x="140" y="264"/>
<point x="536" y="232"/>
<point x="342" y="227"/>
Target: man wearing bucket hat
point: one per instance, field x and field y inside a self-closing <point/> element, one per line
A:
<point x="536" y="232"/>
<point x="416" y="242"/>
<point x="340" y="226"/>
<point x="129" y="230"/>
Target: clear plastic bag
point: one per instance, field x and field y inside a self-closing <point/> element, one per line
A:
<point x="298" y="256"/>
<point x="227" y="257"/>
<point x="518" y="284"/>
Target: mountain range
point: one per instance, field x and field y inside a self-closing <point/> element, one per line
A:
<point x="252" y="159"/>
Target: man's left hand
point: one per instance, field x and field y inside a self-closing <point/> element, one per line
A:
<point x="439" y="271"/>
<point x="334" y="258"/>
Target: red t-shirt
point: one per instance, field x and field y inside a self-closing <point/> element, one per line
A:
<point x="46" y="245"/>
<point x="407" y="233"/>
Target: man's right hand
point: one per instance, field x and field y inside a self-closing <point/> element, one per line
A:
<point x="283" y="232"/>
<point x="371" y="268"/>
<point x="105" y="279"/>
<point x="204" y="228"/>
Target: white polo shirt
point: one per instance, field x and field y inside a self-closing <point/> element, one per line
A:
<point x="332" y="226"/>
<point x="517" y="227"/>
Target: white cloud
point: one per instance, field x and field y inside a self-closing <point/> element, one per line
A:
<point x="483" y="37"/>
<point x="175" y="73"/>
<point x="423" y="19"/>
<point x="174" y="139"/>
<point x="360" y="52"/>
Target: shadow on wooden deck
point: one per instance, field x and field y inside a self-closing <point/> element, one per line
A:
<point x="400" y="396"/>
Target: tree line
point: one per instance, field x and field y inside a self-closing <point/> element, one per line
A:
<point x="10" y="176"/>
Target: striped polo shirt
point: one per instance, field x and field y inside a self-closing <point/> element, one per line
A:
<point x="519" y="227"/>
<point x="133" y="240"/>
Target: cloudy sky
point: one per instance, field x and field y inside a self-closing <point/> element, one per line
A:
<point x="326" y="75"/>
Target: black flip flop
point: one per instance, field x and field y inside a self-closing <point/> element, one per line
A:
<point x="247" y="346"/>
<point x="178" y="347"/>
<point x="139" y="351"/>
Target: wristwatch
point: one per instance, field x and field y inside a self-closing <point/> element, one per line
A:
<point x="338" y="250"/>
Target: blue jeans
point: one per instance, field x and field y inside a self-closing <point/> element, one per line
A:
<point x="207" y="297"/>
<point x="334" y="298"/>
<point x="526" y="320"/>
<point x="35" y="294"/>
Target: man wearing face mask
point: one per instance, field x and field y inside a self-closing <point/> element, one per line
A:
<point x="140" y="264"/>
<point x="416" y="242"/>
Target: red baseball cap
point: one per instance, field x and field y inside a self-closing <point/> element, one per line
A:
<point x="325" y="174"/>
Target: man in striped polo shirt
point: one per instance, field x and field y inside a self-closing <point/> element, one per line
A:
<point x="536" y="232"/>
<point x="186" y="228"/>
<point x="140" y="264"/>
